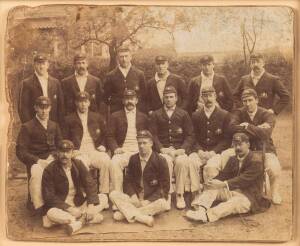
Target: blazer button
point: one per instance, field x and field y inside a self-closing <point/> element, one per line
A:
<point x="170" y="130"/>
<point x="208" y="131"/>
<point x="208" y="139"/>
<point x="169" y="122"/>
<point x="208" y="122"/>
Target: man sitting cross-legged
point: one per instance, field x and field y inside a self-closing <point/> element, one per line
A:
<point x="63" y="184"/>
<point x="87" y="131"/>
<point x="146" y="186"/>
<point x="239" y="186"/>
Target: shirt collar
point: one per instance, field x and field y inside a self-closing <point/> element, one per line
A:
<point x="157" y="78"/>
<point x="82" y="114"/>
<point x="41" y="77"/>
<point x="253" y="113"/>
<point x="78" y="75"/>
<point x="209" y="110"/>
<point x="125" y="69"/>
<point x="40" y="120"/>
<point x="146" y="159"/>
<point x="257" y="76"/>
<point x="207" y="77"/>
<point x="242" y="158"/>
<point x="170" y="109"/>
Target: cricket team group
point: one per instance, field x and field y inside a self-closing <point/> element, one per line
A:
<point x="137" y="147"/>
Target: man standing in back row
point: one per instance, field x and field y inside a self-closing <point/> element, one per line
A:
<point x="124" y="76"/>
<point x="266" y="85"/>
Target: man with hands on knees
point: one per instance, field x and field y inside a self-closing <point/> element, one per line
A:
<point x="146" y="185"/>
<point x="211" y="127"/>
<point x="239" y="186"/>
<point x="63" y="184"/>
<point x="173" y="136"/>
<point x="87" y="130"/>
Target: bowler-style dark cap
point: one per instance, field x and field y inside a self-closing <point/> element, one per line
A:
<point x="206" y="59"/>
<point x="207" y="89"/>
<point x="79" y="57"/>
<point x="161" y="59"/>
<point x="170" y="89"/>
<point x="256" y="56"/>
<point x="144" y="134"/>
<point x="82" y="96"/>
<point x="40" y="58"/>
<point x="248" y="93"/>
<point x="240" y="137"/>
<point x="65" y="145"/>
<point x="43" y="101"/>
<point x="129" y="93"/>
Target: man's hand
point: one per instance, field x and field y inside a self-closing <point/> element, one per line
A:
<point x="101" y="148"/>
<point x="215" y="184"/>
<point x="76" y="153"/>
<point x="244" y="124"/>
<point x="90" y="212"/>
<point x="119" y="151"/>
<point x="165" y="151"/>
<point x="179" y="152"/>
<point x="75" y="212"/>
<point x="265" y="125"/>
<point x="135" y="201"/>
<point x="271" y="111"/>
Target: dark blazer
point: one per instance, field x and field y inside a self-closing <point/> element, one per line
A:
<point x="31" y="89"/>
<point x="222" y="88"/>
<point x="153" y="100"/>
<point x="115" y="84"/>
<point x="267" y="88"/>
<point x="117" y="128"/>
<point x="212" y="134"/>
<point x="55" y="186"/>
<point x="176" y="131"/>
<point x="156" y="178"/>
<point x="249" y="179"/>
<point x="74" y="129"/>
<point x="257" y="135"/>
<point x="35" y="142"/>
<point x="93" y="87"/>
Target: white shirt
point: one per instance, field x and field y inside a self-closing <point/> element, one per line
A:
<point x="71" y="194"/>
<point x="130" y="143"/>
<point x="206" y="80"/>
<point x="144" y="161"/>
<point x="81" y="80"/>
<point x="256" y="78"/>
<point x="87" y="143"/>
<point x="170" y="111"/>
<point x="44" y="83"/>
<point x="252" y="115"/>
<point x="44" y="123"/>
<point x="161" y="84"/>
<point x="125" y="71"/>
<point x="208" y="111"/>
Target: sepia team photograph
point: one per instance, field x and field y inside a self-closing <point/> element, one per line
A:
<point x="147" y="121"/>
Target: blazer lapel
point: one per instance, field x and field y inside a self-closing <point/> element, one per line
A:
<point x="51" y="89"/>
<point x="75" y="85"/>
<point x="37" y="84"/>
<point x="88" y="85"/>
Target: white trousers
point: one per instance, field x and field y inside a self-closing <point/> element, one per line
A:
<point x="102" y="162"/>
<point x="58" y="216"/>
<point x="125" y="205"/>
<point x="232" y="202"/>
<point x="180" y="167"/>
<point x="118" y="163"/>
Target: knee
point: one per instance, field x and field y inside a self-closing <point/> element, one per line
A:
<point x="241" y="204"/>
<point x="182" y="161"/>
<point x="194" y="161"/>
<point x="114" y="194"/>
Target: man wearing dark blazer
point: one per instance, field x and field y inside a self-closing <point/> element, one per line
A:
<point x="121" y="138"/>
<point x="239" y="186"/>
<point x="146" y="185"/>
<point x="259" y="123"/>
<point x="124" y="76"/>
<point x="212" y="135"/>
<point x="209" y="78"/>
<point x="266" y="85"/>
<point x="80" y="81"/>
<point x="41" y="84"/>
<point x="162" y="79"/>
<point x="36" y="144"/>
<point x="87" y="130"/>
<point x="173" y="136"/>
<point x="70" y="193"/>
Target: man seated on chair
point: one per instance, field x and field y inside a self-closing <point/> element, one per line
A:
<point x="239" y="186"/>
<point x="36" y="143"/>
<point x="146" y="185"/>
<point x="259" y="123"/>
<point x="63" y="184"/>
<point x="211" y="126"/>
<point x="121" y="139"/>
<point x="173" y="136"/>
<point x="87" y="130"/>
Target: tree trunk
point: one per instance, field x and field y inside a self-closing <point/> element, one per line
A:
<point x="113" y="55"/>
